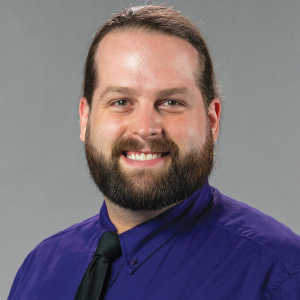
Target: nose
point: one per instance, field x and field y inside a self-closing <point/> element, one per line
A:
<point x="146" y="123"/>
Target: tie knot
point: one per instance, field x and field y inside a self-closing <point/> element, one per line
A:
<point x="109" y="246"/>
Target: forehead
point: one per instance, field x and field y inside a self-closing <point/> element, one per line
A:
<point x="141" y="54"/>
<point x="146" y="38"/>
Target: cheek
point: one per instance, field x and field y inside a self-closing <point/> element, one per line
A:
<point x="188" y="133"/>
<point x="105" y="130"/>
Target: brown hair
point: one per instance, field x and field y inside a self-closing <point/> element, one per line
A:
<point x="163" y="20"/>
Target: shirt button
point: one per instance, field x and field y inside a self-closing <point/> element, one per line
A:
<point x="133" y="261"/>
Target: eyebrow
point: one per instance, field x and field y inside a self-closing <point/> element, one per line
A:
<point x="159" y="94"/>
<point x="116" y="89"/>
<point x="173" y="91"/>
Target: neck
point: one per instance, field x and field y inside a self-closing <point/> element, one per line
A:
<point x="125" y="219"/>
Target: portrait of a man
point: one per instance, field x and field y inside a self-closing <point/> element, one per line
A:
<point x="150" y="117"/>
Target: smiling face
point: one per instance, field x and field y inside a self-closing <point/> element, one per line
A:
<point x="148" y="123"/>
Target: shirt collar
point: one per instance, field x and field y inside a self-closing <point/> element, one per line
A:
<point x="140" y="242"/>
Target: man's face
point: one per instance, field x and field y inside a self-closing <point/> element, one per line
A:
<point x="149" y="140"/>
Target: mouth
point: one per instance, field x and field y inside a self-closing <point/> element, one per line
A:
<point x="144" y="155"/>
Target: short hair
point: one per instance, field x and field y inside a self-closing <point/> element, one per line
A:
<point x="161" y="19"/>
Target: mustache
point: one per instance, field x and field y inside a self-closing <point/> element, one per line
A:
<point x="156" y="145"/>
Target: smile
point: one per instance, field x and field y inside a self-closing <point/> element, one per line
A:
<point x="144" y="156"/>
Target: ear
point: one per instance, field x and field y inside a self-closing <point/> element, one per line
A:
<point x="214" y="112"/>
<point x="84" y="110"/>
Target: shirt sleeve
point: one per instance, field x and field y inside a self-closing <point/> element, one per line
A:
<point x="289" y="289"/>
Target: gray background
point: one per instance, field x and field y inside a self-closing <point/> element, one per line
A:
<point x="45" y="185"/>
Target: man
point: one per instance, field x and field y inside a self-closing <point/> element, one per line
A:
<point x="149" y="117"/>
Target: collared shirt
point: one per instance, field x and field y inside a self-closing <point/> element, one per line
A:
<point x="207" y="247"/>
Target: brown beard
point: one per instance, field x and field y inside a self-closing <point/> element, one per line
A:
<point x="150" y="189"/>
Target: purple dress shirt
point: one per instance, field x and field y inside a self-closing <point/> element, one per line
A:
<point x="207" y="247"/>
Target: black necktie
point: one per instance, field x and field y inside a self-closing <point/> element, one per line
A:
<point x="94" y="281"/>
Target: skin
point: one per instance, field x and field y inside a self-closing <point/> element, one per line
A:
<point x="146" y="90"/>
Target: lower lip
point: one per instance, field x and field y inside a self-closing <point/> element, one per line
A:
<point x="144" y="163"/>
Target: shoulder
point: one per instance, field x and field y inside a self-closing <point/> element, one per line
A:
<point x="74" y="241"/>
<point x="88" y="225"/>
<point x="73" y="237"/>
<point x="46" y="264"/>
<point x="260" y="230"/>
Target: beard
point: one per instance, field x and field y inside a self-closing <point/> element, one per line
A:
<point x="149" y="189"/>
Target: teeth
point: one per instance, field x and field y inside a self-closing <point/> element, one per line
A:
<point x="143" y="156"/>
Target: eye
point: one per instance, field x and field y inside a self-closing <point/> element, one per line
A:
<point x="171" y="103"/>
<point x="173" y="106"/>
<point x="121" y="103"/>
